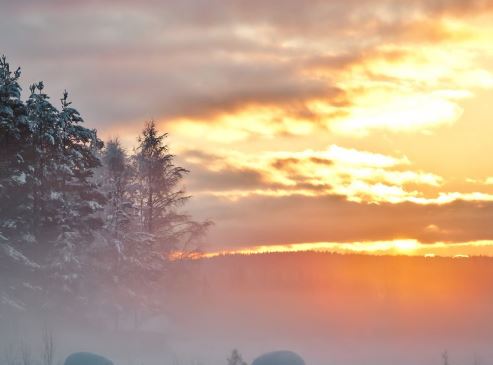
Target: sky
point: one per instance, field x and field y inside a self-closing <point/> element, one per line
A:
<point x="345" y="125"/>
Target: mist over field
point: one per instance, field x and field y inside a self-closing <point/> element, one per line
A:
<point x="336" y="309"/>
<point x="331" y="309"/>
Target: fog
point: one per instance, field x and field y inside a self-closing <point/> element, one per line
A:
<point x="331" y="309"/>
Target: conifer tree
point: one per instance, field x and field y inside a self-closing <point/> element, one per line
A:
<point x="143" y="225"/>
<point x="43" y="118"/>
<point x="66" y="234"/>
<point x="117" y="175"/>
<point x="77" y="197"/>
<point x="158" y="188"/>
<point x="63" y="159"/>
<point x="13" y="144"/>
<point x="48" y="198"/>
<point x="236" y="358"/>
<point x="15" y="238"/>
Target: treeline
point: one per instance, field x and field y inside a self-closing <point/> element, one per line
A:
<point x="82" y="222"/>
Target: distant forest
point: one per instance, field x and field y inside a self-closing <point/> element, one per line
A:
<point x="332" y="297"/>
<point x="82" y="222"/>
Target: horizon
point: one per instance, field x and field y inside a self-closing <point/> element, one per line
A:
<point x="372" y="248"/>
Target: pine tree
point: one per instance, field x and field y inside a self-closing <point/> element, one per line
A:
<point x="117" y="175"/>
<point x="65" y="236"/>
<point x="76" y="162"/>
<point x="236" y="358"/>
<point x="78" y="199"/>
<point x="136" y="255"/>
<point x="49" y="201"/>
<point x="43" y="117"/>
<point x="159" y="196"/>
<point x="15" y="238"/>
<point x="62" y="159"/>
<point x="142" y="225"/>
<point x="13" y="144"/>
<point x="158" y="182"/>
<point x="115" y="178"/>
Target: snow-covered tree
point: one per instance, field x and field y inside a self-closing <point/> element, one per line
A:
<point x="110" y="253"/>
<point x="13" y="144"/>
<point x="69" y="236"/>
<point x="64" y="197"/>
<point x="143" y="225"/>
<point x="15" y="236"/>
<point x="117" y="175"/>
<point x="158" y="196"/>
<point x="78" y="196"/>
<point x="48" y="199"/>
<point x="44" y="143"/>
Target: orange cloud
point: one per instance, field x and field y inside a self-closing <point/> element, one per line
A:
<point x="358" y="176"/>
<point x="396" y="89"/>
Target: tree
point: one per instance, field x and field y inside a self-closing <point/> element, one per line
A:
<point x="48" y="199"/>
<point x="143" y="224"/>
<point x="117" y="175"/>
<point x="45" y="194"/>
<point x="159" y="195"/>
<point x="445" y="358"/>
<point x="13" y="145"/>
<point x="236" y="358"/>
<point x="115" y="178"/>
<point x="63" y="159"/>
<point x="76" y="161"/>
<point x="64" y="197"/>
<point x="158" y="181"/>
<point x="15" y="237"/>
<point x="78" y="201"/>
<point x="67" y="234"/>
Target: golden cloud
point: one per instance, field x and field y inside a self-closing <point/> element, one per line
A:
<point x="359" y="176"/>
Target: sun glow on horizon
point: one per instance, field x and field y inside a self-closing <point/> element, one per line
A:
<point x="398" y="247"/>
<point x="406" y="245"/>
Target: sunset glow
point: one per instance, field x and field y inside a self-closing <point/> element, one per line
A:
<point x="395" y="247"/>
<point x="369" y="126"/>
<point x="246" y="182"/>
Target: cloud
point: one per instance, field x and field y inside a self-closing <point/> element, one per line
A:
<point x="359" y="176"/>
<point x="333" y="195"/>
<point x="264" y="86"/>
<point x="400" y="114"/>
<point x="209" y="61"/>
<point x="270" y="220"/>
<point x="219" y="176"/>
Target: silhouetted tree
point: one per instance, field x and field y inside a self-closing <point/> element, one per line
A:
<point x="158" y="181"/>
<point x="236" y="358"/>
<point x="445" y="358"/>
<point x="158" y="196"/>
